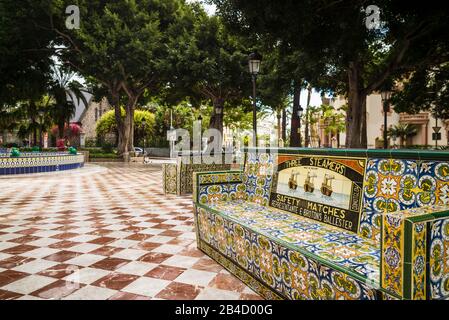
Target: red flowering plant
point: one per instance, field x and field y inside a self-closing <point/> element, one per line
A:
<point x="70" y="131"/>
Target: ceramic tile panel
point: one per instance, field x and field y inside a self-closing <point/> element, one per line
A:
<point x="258" y="176"/>
<point x="222" y="186"/>
<point x="342" y="248"/>
<point x="439" y="259"/>
<point x="376" y="185"/>
<point x="40" y="163"/>
<point x="370" y="225"/>
<point x="433" y="183"/>
<point x="169" y="180"/>
<point x="273" y="267"/>
<point x="418" y="262"/>
<point x="392" y="264"/>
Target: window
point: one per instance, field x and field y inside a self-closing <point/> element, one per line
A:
<point x="96" y="114"/>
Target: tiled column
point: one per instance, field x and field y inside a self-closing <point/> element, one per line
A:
<point x="414" y="257"/>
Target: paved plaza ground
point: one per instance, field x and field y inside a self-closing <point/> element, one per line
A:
<point x="103" y="232"/>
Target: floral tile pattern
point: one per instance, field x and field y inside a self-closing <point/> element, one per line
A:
<point x="342" y="248"/>
<point x="439" y="259"/>
<point x="433" y="183"/>
<point x="258" y="176"/>
<point x="104" y="232"/>
<point x="284" y="272"/>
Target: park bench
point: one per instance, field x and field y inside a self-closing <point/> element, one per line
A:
<point x="330" y="223"/>
<point x="177" y="174"/>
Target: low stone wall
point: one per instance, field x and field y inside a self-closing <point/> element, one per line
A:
<point x="158" y="152"/>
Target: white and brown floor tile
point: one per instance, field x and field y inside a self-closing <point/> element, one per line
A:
<point x="103" y="232"/>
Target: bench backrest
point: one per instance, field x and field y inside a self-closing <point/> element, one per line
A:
<point x="348" y="189"/>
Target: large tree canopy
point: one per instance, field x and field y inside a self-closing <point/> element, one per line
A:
<point x="333" y="35"/>
<point x="125" y="49"/>
<point x="213" y="67"/>
<point x="25" y="50"/>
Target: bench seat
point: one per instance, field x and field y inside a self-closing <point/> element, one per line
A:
<point x="346" y="250"/>
<point x="389" y="239"/>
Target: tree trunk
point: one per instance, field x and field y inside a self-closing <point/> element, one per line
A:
<point x="278" y="115"/>
<point x="294" y="135"/>
<point x="356" y="99"/>
<point x="306" y="134"/>
<point x="364" y="137"/>
<point x="127" y="140"/>
<point x="34" y="133"/>
<point x="216" y="119"/>
<point x="61" y="130"/>
<point x="284" y="125"/>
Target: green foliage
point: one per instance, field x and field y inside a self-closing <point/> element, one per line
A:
<point x="126" y="49"/>
<point x="402" y="131"/>
<point x="211" y="68"/>
<point x="427" y="89"/>
<point x="65" y="91"/>
<point x="15" y="153"/>
<point x="25" y="50"/>
<point x="331" y="41"/>
<point x="103" y="155"/>
<point x="107" y="123"/>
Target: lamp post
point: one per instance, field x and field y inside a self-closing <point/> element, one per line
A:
<point x="300" y="112"/>
<point x="386" y="95"/>
<point x="200" y="119"/>
<point x="254" y="66"/>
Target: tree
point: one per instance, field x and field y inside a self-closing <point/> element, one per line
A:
<point x="212" y="68"/>
<point x="275" y="87"/>
<point x="107" y="124"/>
<point x="307" y="119"/>
<point x="126" y="49"/>
<point x="335" y="124"/>
<point x="336" y="36"/>
<point x="426" y="89"/>
<point x="65" y="92"/>
<point x="26" y="52"/>
<point x="314" y="116"/>
<point x="403" y="132"/>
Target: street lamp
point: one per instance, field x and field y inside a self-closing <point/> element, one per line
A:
<point x="254" y="66"/>
<point x="386" y="95"/>
<point x="300" y="112"/>
<point x="200" y="119"/>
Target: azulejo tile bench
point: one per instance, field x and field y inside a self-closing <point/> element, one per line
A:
<point x="329" y="223"/>
<point x="177" y="175"/>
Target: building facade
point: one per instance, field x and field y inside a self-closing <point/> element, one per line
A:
<point x="424" y="123"/>
<point x="87" y="118"/>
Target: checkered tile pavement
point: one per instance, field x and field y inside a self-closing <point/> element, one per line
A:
<point x="103" y="232"/>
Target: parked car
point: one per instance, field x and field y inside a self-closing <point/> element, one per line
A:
<point x="139" y="152"/>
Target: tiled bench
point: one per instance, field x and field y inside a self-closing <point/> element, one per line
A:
<point x="177" y="175"/>
<point x="382" y="233"/>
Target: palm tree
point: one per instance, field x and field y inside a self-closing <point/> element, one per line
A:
<point x="65" y="91"/>
<point x="403" y="132"/>
<point x="334" y="121"/>
<point x="34" y="119"/>
<point x="314" y="119"/>
<point x="335" y="125"/>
